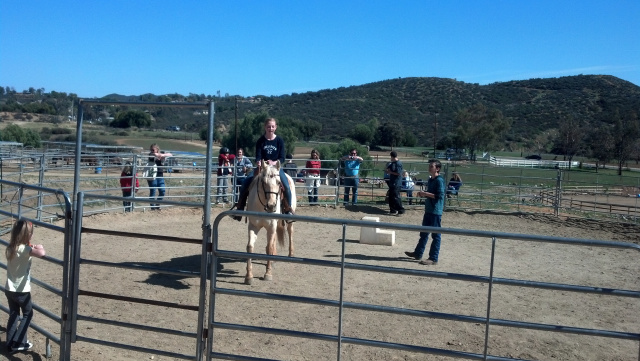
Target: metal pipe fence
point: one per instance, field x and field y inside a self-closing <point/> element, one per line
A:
<point x="484" y="187"/>
<point x="210" y="254"/>
<point x="299" y="331"/>
<point x="22" y="212"/>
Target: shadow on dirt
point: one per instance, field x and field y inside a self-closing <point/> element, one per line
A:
<point x="363" y="257"/>
<point x="189" y="266"/>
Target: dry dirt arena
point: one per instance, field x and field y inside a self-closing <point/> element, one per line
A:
<point x="593" y="266"/>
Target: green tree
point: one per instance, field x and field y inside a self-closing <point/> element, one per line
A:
<point x="410" y="140"/>
<point x="600" y="143"/>
<point x="542" y="142"/>
<point x="626" y="131"/>
<point x="28" y="138"/>
<point x="479" y="127"/>
<point x="389" y="134"/>
<point x="570" y="137"/>
<point x="309" y="128"/>
<point x="362" y="133"/>
<point x="131" y="118"/>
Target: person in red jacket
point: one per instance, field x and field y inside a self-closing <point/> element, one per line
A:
<point x="312" y="175"/>
<point x="225" y="160"/>
<point x="127" y="179"/>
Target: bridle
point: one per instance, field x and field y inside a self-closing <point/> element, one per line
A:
<point x="266" y="192"/>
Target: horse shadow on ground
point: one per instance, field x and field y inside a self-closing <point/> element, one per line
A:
<point x="366" y="209"/>
<point x="189" y="265"/>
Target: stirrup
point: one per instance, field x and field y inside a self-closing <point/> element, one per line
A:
<point x="289" y="221"/>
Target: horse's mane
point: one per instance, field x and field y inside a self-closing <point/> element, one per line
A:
<point x="266" y="171"/>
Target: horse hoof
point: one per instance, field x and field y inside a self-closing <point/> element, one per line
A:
<point x="268" y="277"/>
<point x="248" y="281"/>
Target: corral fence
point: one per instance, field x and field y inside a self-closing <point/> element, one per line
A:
<point x="485" y="187"/>
<point x="555" y="191"/>
<point x="101" y="194"/>
<point x="210" y="293"/>
<point x="60" y="287"/>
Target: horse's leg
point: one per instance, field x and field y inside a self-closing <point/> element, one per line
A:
<point x="271" y="250"/>
<point x="252" y="241"/>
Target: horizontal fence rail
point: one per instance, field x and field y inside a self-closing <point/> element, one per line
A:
<point x="340" y="303"/>
<point x="23" y="195"/>
<point x="492" y="188"/>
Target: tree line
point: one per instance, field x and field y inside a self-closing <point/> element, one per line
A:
<point x="591" y="116"/>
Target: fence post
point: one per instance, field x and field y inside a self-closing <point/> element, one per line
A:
<point x="482" y="187"/>
<point x="558" y="197"/>
<point x="595" y="194"/>
<point x="519" y="189"/>
<point x="41" y="184"/>
<point x="337" y="179"/>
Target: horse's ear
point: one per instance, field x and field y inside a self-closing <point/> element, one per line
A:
<point x="277" y="164"/>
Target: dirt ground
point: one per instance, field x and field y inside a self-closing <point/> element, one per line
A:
<point x="592" y="266"/>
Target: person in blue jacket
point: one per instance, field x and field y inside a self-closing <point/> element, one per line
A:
<point x="352" y="164"/>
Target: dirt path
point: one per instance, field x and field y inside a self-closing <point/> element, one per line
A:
<point x="469" y="255"/>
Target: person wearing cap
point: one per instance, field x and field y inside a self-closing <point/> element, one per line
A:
<point x="224" y="170"/>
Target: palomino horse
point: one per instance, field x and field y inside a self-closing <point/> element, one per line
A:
<point x="264" y="196"/>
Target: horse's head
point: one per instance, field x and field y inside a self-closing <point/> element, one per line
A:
<point x="269" y="186"/>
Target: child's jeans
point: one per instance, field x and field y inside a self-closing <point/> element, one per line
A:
<point x="17" y="335"/>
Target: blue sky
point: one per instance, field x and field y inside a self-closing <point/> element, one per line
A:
<point x="271" y="47"/>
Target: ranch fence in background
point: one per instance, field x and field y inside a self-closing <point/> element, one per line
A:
<point x="211" y="253"/>
<point x="97" y="190"/>
<point x="485" y="187"/>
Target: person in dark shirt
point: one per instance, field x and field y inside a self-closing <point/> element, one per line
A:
<point x="394" y="170"/>
<point x="157" y="183"/>
<point x="433" y="208"/>
<point x="270" y="148"/>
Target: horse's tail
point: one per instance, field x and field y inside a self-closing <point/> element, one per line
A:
<point x="280" y="232"/>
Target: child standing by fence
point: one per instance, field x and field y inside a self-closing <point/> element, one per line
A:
<point x="18" y="286"/>
<point x="127" y="179"/>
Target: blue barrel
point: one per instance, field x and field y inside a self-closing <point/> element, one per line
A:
<point x="98" y="170"/>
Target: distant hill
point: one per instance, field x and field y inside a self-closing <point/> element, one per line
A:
<point x="533" y="106"/>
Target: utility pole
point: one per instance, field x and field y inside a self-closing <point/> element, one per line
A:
<point x="236" y="150"/>
<point x="435" y="135"/>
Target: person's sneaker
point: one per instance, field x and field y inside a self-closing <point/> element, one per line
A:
<point x="429" y="262"/>
<point x="393" y="213"/>
<point x="412" y="255"/>
<point x="23" y="347"/>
